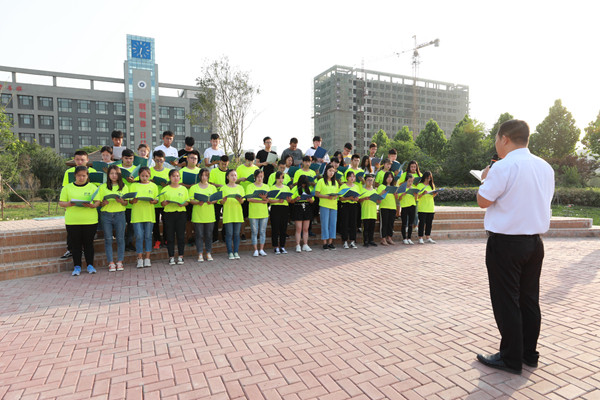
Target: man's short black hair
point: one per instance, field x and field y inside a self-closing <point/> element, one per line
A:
<point x="348" y="146"/>
<point x="293" y="140"/>
<point x="266" y="138"/>
<point x="158" y="153"/>
<point x="306" y="158"/>
<point x="116" y="134"/>
<point x="81" y="153"/>
<point x="392" y="151"/>
<point x="215" y="136"/>
<point x="127" y="153"/>
<point x="317" y="139"/>
<point x="195" y="152"/>
<point x="516" y="130"/>
<point x="106" y="148"/>
<point x="225" y="158"/>
<point x="249" y="156"/>
<point x="189" y="141"/>
<point x="168" y="133"/>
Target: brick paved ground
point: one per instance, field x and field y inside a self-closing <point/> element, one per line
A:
<point x="365" y="324"/>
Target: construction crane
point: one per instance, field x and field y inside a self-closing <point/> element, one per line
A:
<point x="415" y="67"/>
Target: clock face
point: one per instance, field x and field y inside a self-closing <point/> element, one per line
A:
<point x="140" y="49"/>
<point x="142" y="85"/>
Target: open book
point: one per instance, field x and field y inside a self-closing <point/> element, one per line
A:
<point x="477" y="174"/>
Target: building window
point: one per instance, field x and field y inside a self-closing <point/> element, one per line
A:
<point x="179" y="144"/>
<point x="84" y="124"/>
<point x="84" y="106"/>
<point x="119" y="108"/>
<point x="163" y="112"/>
<point x="9" y="116"/>
<point x="104" y="141"/>
<point x="101" y="107"/>
<point x="7" y="100"/>
<point x="64" y="105"/>
<point x="26" y="121"/>
<point x="179" y="113"/>
<point x="66" y="141"/>
<point x="45" y="103"/>
<point x="47" y="139"/>
<point x="102" y="125"/>
<point x="25" y="102"/>
<point x="65" y="123"/>
<point x="120" y="125"/>
<point x="179" y="129"/>
<point x="27" y="137"/>
<point x="85" y="141"/>
<point x="164" y="127"/>
<point x="46" y="122"/>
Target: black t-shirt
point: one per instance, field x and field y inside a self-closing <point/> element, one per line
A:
<point x="268" y="169"/>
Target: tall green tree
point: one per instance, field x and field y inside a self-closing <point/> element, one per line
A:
<point x="466" y="150"/>
<point x="591" y="140"/>
<point x="224" y="99"/>
<point x="502" y="119"/>
<point x="432" y="140"/>
<point x="383" y="142"/>
<point x="557" y="135"/>
<point x="404" y="135"/>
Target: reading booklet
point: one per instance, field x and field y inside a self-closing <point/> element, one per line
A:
<point x="391" y="189"/>
<point x="271" y="158"/>
<point x="101" y="166"/>
<point x="272" y="194"/>
<point x="350" y="193"/>
<point x="215" y="158"/>
<point x="412" y="191"/>
<point x="159" y="181"/>
<point x="315" y="167"/>
<point x="189" y="178"/>
<point x="284" y="195"/>
<point x="320" y="153"/>
<point x="80" y="203"/>
<point x="477" y="174"/>
<point x="141" y="161"/>
<point x="256" y="194"/>
<point x="134" y="173"/>
<point x="130" y="195"/>
<point x="200" y="197"/>
<point x="292" y="171"/>
<point x="118" y="152"/>
<point x="97" y="177"/>
<point x="216" y="196"/>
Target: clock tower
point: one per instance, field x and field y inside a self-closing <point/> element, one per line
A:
<point x="141" y="92"/>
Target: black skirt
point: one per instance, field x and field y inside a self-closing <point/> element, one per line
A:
<point x="302" y="211"/>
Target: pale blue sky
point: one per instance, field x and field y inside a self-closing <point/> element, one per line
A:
<point x="516" y="56"/>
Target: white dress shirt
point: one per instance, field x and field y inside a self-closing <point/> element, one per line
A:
<point x="521" y="187"/>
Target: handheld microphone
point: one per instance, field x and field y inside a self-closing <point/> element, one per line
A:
<point x="494" y="159"/>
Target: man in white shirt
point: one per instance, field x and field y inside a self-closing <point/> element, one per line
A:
<point x="317" y="141"/>
<point x="166" y="147"/>
<point x="213" y="150"/>
<point x="517" y="193"/>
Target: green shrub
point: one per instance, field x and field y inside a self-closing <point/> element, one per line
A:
<point x="47" y="194"/>
<point x="23" y="193"/>
<point x="457" y="195"/>
<point x="582" y="197"/>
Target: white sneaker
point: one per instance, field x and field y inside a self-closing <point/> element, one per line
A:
<point x="200" y="258"/>
<point x="282" y="250"/>
<point x="255" y="253"/>
<point x="172" y="261"/>
<point x="430" y="240"/>
<point x="147" y="263"/>
<point x="421" y="241"/>
<point x="140" y="263"/>
<point x="277" y="251"/>
<point x="306" y="248"/>
<point x="180" y="260"/>
<point x="410" y="241"/>
<point x="236" y="256"/>
<point x="353" y="245"/>
<point x="298" y="248"/>
<point x="405" y="241"/>
<point x="208" y="257"/>
<point x="346" y="245"/>
<point x="231" y="257"/>
<point x="262" y="253"/>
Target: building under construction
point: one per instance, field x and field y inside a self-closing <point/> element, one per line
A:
<point x="352" y="105"/>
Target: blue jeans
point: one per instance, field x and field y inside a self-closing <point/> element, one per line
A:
<point x="109" y="222"/>
<point x="259" y="228"/>
<point x="328" y="222"/>
<point x="232" y="236"/>
<point x="143" y="236"/>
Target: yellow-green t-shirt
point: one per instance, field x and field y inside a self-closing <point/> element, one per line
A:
<point x="426" y="203"/>
<point x="380" y="175"/>
<point x="205" y="213"/>
<point x="327" y="189"/>
<point x="296" y="193"/>
<point x="194" y="171"/>
<point x="179" y="194"/>
<point x="113" y="206"/>
<point x="300" y="172"/>
<point x="354" y="188"/>
<point x="408" y="199"/>
<point x="163" y="173"/>
<point x="389" y="201"/>
<point x="143" y="211"/>
<point x="283" y="189"/>
<point x="130" y="169"/>
<point x="79" y="215"/>
<point x="232" y="209"/>
<point x="257" y="210"/>
<point x="245" y="172"/>
<point x="286" y="179"/>
<point x="72" y="169"/>
<point x="368" y="208"/>
<point x="217" y="177"/>
<point x="402" y="178"/>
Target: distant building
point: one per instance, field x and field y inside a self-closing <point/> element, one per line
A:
<point x="66" y="118"/>
<point x="352" y="105"/>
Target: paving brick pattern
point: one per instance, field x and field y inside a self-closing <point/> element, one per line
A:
<point x="384" y="323"/>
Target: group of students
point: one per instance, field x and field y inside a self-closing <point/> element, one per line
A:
<point x="191" y="200"/>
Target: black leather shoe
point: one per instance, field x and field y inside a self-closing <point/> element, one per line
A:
<point x="495" y="361"/>
<point x="530" y="363"/>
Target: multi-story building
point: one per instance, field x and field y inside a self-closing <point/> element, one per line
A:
<point x="66" y="118"/>
<point x="352" y="105"/>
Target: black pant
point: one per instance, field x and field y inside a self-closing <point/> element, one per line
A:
<point x="368" y="230"/>
<point x="425" y="223"/>
<point x="129" y="235"/>
<point x="159" y="213"/>
<point x="514" y="264"/>
<point x="347" y="220"/>
<point x="82" y="236"/>
<point x="215" y="235"/>
<point x="408" y="219"/>
<point x="387" y="217"/>
<point x="279" y="220"/>
<point x="175" y="225"/>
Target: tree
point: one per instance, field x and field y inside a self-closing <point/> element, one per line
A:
<point x="502" y="119"/>
<point x="466" y="150"/>
<point x="383" y="143"/>
<point x="91" y="149"/>
<point x="48" y="167"/>
<point x="557" y="135"/>
<point x="591" y="140"/>
<point x="404" y="135"/>
<point x="224" y="99"/>
<point x="432" y="140"/>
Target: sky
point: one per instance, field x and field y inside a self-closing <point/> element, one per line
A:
<point x="515" y="56"/>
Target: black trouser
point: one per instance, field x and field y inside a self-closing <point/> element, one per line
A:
<point x="368" y="230"/>
<point x="408" y="219"/>
<point x="387" y="217"/>
<point x="425" y="223"/>
<point x="82" y="236"/>
<point x="279" y="220"/>
<point x="175" y="225"/>
<point x="347" y="220"/>
<point x="159" y="213"/>
<point x="129" y="234"/>
<point x="215" y="235"/>
<point x="514" y="264"/>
